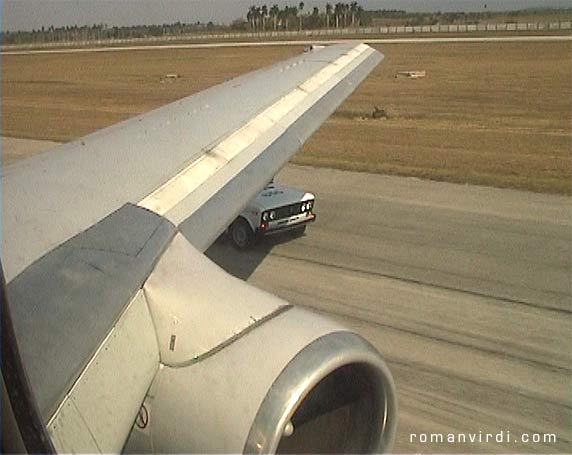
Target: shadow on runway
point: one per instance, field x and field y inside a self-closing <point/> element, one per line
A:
<point x="242" y="264"/>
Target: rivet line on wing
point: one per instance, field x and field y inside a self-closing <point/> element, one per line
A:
<point x="199" y="171"/>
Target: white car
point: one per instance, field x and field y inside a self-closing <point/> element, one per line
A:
<point x="276" y="209"/>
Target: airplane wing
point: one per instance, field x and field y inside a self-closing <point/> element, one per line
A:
<point x="131" y="339"/>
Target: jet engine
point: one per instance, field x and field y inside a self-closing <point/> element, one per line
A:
<point x="243" y="371"/>
<point x="196" y="361"/>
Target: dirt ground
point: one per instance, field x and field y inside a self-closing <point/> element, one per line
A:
<point x="487" y="113"/>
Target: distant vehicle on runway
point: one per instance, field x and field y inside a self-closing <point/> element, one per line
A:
<point x="276" y="209"/>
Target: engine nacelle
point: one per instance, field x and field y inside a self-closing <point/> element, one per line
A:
<point x="242" y="371"/>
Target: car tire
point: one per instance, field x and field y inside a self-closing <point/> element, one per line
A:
<point x="241" y="234"/>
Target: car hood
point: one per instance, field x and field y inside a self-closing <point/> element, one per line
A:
<point x="275" y="195"/>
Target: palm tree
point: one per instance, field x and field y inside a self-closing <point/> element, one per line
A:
<point x="290" y="11"/>
<point x="283" y="17"/>
<point x="338" y="9"/>
<point x="251" y="15"/>
<point x="274" y="13"/>
<point x="258" y="16"/>
<point x="264" y="12"/>
<point x="328" y="13"/>
<point x="359" y="14"/>
<point x="353" y="9"/>
<point x="345" y="9"/>
<point x="315" y="17"/>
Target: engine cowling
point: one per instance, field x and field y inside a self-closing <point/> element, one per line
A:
<point x="243" y="371"/>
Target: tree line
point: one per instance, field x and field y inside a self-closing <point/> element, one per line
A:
<point x="405" y="18"/>
<point x="263" y="18"/>
<point x="103" y="32"/>
<point x="258" y="18"/>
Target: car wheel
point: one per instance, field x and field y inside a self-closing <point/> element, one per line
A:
<point x="241" y="234"/>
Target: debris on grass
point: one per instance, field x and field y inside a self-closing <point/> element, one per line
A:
<point x="379" y="113"/>
<point x="411" y="74"/>
<point x="171" y="77"/>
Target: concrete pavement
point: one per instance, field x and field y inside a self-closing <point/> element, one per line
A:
<point x="465" y="290"/>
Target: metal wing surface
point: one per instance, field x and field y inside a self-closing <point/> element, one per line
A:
<point x="196" y="161"/>
<point x="118" y="315"/>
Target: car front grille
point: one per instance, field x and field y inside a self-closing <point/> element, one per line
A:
<point x="288" y="210"/>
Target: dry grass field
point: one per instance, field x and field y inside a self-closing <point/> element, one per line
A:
<point x="487" y="113"/>
<point x="493" y="114"/>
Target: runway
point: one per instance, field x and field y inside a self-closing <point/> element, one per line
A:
<point x="465" y="290"/>
<point x="497" y="39"/>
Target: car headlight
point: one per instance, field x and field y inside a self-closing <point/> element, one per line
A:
<point x="304" y="207"/>
<point x="309" y="205"/>
<point x="272" y="214"/>
<point x="265" y="216"/>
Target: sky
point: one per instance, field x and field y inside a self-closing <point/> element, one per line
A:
<point x="33" y="14"/>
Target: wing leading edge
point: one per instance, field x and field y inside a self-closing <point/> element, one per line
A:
<point x="196" y="161"/>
